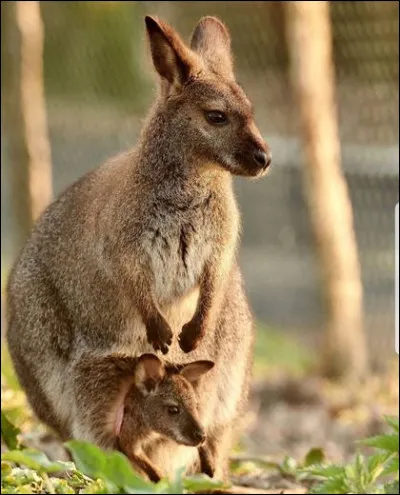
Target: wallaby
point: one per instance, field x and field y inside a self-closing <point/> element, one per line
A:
<point x="161" y="404"/>
<point x="142" y="251"/>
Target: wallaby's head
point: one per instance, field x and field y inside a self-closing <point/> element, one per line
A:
<point x="206" y="112"/>
<point x="168" y="401"/>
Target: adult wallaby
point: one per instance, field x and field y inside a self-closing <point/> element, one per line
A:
<point x="142" y="250"/>
<point x="161" y="404"/>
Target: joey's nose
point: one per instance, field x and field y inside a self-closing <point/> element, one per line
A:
<point x="199" y="436"/>
<point x="262" y="158"/>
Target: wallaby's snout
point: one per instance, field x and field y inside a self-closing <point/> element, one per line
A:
<point x="193" y="435"/>
<point x="198" y="435"/>
<point x="254" y="155"/>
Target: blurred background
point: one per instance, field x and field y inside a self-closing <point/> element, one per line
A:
<point x="99" y="82"/>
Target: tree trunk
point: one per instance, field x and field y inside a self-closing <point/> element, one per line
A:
<point x="24" y="113"/>
<point x="312" y="71"/>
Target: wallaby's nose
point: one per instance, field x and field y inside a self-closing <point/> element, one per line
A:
<point x="262" y="158"/>
<point x="199" y="436"/>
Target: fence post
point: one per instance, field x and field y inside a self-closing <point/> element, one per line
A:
<point x="312" y="72"/>
<point x="25" y="113"/>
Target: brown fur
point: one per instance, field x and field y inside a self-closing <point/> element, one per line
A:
<point x="147" y="417"/>
<point x="141" y="254"/>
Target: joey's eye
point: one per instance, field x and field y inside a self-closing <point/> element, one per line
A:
<point x="215" y="117"/>
<point x="173" y="410"/>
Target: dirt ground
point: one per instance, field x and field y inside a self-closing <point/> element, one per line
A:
<point x="290" y="415"/>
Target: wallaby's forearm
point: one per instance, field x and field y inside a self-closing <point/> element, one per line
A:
<point x="193" y="331"/>
<point x="158" y="331"/>
<point x="210" y="298"/>
<point x="138" y="280"/>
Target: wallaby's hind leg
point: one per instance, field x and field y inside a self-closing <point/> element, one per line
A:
<point x="39" y="341"/>
<point x="37" y="398"/>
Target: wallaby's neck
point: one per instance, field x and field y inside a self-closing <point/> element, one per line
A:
<point x="167" y="158"/>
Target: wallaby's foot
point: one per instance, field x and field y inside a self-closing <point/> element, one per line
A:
<point x="190" y="336"/>
<point x="206" y="462"/>
<point x="159" y="334"/>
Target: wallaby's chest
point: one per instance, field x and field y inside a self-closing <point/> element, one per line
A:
<point x="178" y="247"/>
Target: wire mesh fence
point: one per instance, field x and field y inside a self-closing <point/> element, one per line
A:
<point x="99" y="83"/>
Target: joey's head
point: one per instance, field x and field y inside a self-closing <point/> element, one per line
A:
<point x="169" y="401"/>
<point x="206" y="112"/>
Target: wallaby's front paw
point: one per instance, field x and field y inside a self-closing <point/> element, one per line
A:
<point x="159" y="335"/>
<point x="190" y="336"/>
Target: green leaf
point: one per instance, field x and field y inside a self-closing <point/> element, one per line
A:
<point x="163" y="486"/>
<point x="392" y="487"/>
<point x="376" y="465"/>
<point x="5" y="469"/>
<point x="89" y="459"/>
<point x="118" y="471"/>
<point x="176" y="486"/>
<point x="390" y="443"/>
<point x="202" y="483"/>
<point x="392" y="466"/>
<point x="9" y="432"/>
<point x="114" y="469"/>
<point x="97" y="486"/>
<point x="325" y="471"/>
<point x="393" y="422"/>
<point x="332" y="485"/>
<point x="289" y="465"/>
<point x="35" y="460"/>
<point x="314" y="456"/>
<point x="21" y="476"/>
<point x="62" y="486"/>
<point x="357" y="475"/>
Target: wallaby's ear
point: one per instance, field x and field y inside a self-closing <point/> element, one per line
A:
<point x="193" y="371"/>
<point x="149" y="372"/>
<point x="172" y="59"/>
<point x="211" y="40"/>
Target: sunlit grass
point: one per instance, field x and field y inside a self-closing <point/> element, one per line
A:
<point x="275" y="350"/>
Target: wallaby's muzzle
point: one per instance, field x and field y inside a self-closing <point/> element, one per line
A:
<point x="194" y="435"/>
<point x="254" y="160"/>
<point x="199" y="437"/>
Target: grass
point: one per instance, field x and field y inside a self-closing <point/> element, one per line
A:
<point x="276" y="351"/>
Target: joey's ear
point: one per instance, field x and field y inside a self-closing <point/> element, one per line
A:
<point x="211" y="40"/>
<point x="193" y="371"/>
<point x="149" y="372"/>
<point x="172" y="59"/>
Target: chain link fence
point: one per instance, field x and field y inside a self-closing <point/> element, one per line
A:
<point x="99" y="83"/>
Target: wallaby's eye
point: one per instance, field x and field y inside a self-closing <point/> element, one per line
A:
<point x="173" y="410"/>
<point x="215" y="117"/>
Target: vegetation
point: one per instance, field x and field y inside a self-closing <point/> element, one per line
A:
<point x="94" y="471"/>
<point x="28" y="470"/>
<point x="374" y="473"/>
